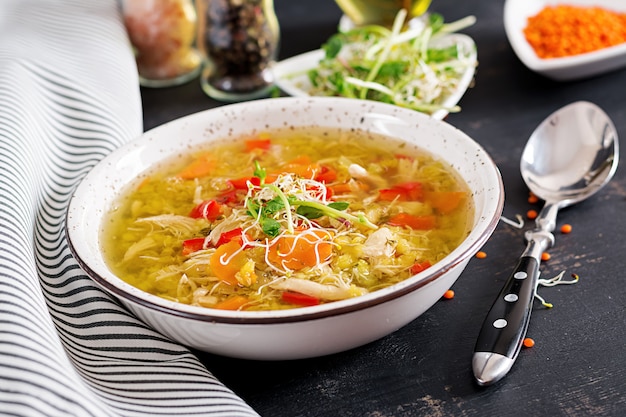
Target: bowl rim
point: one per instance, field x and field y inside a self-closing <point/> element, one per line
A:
<point x="516" y="13"/>
<point x="127" y="292"/>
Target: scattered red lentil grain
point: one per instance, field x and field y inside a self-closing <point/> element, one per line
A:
<point x="531" y="214"/>
<point x="566" y="228"/>
<point x="448" y="295"/>
<point x="481" y="255"/>
<point x="566" y="30"/>
<point x="545" y="256"/>
<point x="528" y="342"/>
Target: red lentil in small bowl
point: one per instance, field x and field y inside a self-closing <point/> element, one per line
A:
<point x="567" y="39"/>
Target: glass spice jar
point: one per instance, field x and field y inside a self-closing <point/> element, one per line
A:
<point x="162" y="33"/>
<point x="239" y="40"/>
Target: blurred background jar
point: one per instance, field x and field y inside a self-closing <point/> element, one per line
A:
<point x="379" y="12"/>
<point x="162" y="33"/>
<point x="239" y="40"/>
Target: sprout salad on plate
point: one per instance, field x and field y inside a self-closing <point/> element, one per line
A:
<point x="412" y="65"/>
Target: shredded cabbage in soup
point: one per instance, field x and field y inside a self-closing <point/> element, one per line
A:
<point x="287" y="218"/>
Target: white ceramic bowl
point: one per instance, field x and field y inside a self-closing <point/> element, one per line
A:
<point x="303" y="332"/>
<point x="299" y="85"/>
<point x="516" y="14"/>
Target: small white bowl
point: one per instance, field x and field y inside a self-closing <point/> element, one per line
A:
<point x="302" y="332"/>
<point x="516" y="14"/>
<point x="299" y="85"/>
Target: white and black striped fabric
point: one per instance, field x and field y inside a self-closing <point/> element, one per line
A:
<point x="69" y="96"/>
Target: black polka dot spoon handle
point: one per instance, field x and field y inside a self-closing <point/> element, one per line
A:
<point x="504" y="328"/>
<point x="569" y="157"/>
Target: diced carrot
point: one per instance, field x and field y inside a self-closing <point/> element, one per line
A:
<point x="258" y="143"/>
<point x="420" y="266"/>
<point x="300" y="160"/>
<point x="444" y="201"/>
<point x="233" y="303"/>
<point x="143" y="183"/>
<point x="227" y="261"/>
<point x="414" y="222"/>
<point x="299" y="299"/>
<point x="347" y="187"/>
<point x="342" y="188"/>
<point x="201" y="166"/>
<point x="297" y="252"/>
<point x="302" y="167"/>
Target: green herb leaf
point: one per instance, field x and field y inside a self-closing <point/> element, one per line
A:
<point x="270" y="226"/>
<point x="339" y="205"/>
<point x="259" y="172"/>
<point x="333" y="46"/>
<point x="273" y="206"/>
<point x="435" y="21"/>
<point x="309" y="212"/>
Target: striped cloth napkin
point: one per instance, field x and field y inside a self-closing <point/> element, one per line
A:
<point x="69" y="96"/>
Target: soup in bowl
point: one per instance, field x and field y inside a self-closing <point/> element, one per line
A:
<point x="285" y="228"/>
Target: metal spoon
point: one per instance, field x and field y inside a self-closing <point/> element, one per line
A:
<point x="569" y="156"/>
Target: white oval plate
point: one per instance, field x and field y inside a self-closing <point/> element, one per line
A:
<point x="299" y="85"/>
<point x="516" y="14"/>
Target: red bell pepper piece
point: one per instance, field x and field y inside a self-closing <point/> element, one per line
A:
<point x="208" y="209"/>
<point x="406" y="191"/>
<point x="300" y="299"/>
<point x="193" y="245"/>
<point x="242" y="183"/>
<point x="326" y="174"/>
<point x="232" y="235"/>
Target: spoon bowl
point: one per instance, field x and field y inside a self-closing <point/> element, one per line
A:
<point x="569" y="157"/>
<point x="571" y="154"/>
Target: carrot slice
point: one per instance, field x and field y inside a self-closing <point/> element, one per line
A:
<point x="260" y="143"/>
<point x="227" y="261"/>
<point x="232" y="303"/>
<point x="201" y="166"/>
<point x="420" y="266"/>
<point x="297" y="252"/>
<point x="412" y="221"/>
<point x="445" y="201"/>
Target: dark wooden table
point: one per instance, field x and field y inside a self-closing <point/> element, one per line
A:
<point x="578" y="365"/>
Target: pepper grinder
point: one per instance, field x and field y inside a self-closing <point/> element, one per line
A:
<point x="239" y="40"/>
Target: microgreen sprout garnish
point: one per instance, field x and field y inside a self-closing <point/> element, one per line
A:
<point x="284" y="201"/>
<point x="551" y="282"/>
<point x="399" y="65"/>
